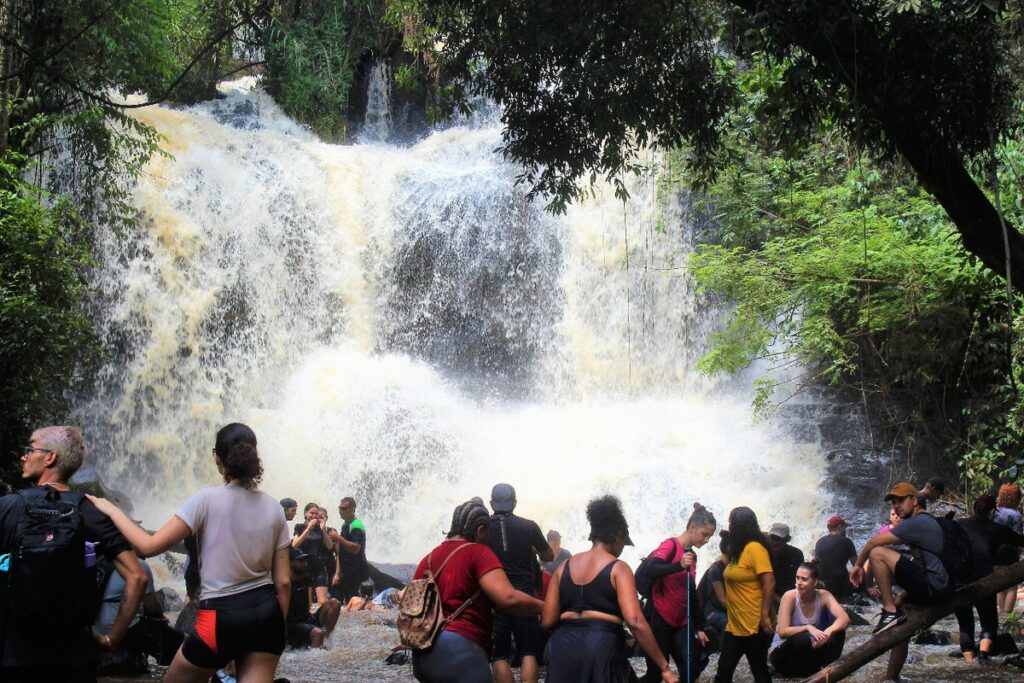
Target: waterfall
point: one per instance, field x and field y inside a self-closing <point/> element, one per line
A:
<point x="377" y="122"/>
<point x="402" y="326"/>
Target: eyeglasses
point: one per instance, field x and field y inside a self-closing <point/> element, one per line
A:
<point x="25" y="450"/>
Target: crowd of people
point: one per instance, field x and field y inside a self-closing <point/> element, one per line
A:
<point x="510" y="596"/>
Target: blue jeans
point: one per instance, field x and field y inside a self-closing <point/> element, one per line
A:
<point x="452" y="659"/>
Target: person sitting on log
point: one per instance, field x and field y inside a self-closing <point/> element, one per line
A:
<point x="917" y="568"/>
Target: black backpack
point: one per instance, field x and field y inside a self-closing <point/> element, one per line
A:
<point x="956" y="555"/>
<point x="49" y="582"/>
<point x="644" y="582"/>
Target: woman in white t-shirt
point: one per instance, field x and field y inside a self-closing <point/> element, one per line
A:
<point x="244" y="571"/>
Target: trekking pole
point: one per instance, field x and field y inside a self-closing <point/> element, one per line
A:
<point x="688" y="679"/>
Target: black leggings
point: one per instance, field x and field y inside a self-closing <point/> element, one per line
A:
<point x="672" y="643"/>
<point x="988" y="615"/>
<point x="755" y="647"/>
<point x="797" y="657"/>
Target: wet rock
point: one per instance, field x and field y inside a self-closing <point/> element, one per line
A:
<point x="382" y="580"/>
<point x="87" y="480"/>
<point x="930" y="637"/>
<point x="170" y="601"/>
<point x="1003" y="644"/>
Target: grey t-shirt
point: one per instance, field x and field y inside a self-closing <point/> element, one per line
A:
<point x="923" y="536"/>
<point x="239" y="530"/>
<point x="554" y="564"/>
<point x="112" y="599"/>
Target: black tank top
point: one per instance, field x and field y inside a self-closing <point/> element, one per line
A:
<point x="596" y="596"/>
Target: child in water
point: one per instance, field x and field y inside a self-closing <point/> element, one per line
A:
<point x="363" y="601"/>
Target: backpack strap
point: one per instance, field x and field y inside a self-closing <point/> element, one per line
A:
<point x="451" y="617"/>
<point x="438" y="572"/>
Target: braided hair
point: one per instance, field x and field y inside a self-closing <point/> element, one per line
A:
<point x="467" y="518"/>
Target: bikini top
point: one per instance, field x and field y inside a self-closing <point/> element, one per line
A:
<point x="597" y="596"/>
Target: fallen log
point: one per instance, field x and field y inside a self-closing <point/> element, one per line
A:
<point x="919" y="617"/>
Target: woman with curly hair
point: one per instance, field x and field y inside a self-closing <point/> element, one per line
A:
<point x="749" y="588"/>
<point x="244" y="574"/>
<point x="589" y="599"/>
<point x="1008" y="514"/>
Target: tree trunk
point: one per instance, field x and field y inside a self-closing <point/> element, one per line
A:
<point x="852" y="55"/>
<point x="919" y="617"/>
<point x="6" y="34"/>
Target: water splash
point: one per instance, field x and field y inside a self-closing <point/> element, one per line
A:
<point x="400" y="325"/>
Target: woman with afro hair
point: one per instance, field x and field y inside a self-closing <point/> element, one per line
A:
<point x="590" y="597"/>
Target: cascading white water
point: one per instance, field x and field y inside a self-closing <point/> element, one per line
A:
<point x="377" y="122"/>
<point x="400" y="325"/>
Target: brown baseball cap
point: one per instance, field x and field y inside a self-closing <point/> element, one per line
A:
<point x="901" y="490"/>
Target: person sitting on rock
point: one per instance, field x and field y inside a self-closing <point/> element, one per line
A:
<point x="305" y="629"/>
<point x="811" y="628"/>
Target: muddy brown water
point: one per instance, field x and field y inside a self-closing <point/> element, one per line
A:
<point x="356" y="652"/>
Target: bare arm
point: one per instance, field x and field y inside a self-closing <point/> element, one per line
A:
<point x="281" y="571"/>
<point x="841" y="618"/>
<point x="785" y="627"/>
<point x="549" y="616"/>
<point x="145" y="544"/>
<point x="547" y="554"/>
<point x="719" y="589"/>
<point x="629" y="605"/>
<point x="127" y="565"/>
<point x="350" y="547"/>
<point x="497" y="588"/>
<point x="298" y="540"/>
<point x="767" y="596"/>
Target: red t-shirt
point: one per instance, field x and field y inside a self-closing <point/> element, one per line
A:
<point x="669" y="593"/>
<point x="458" y="581"/>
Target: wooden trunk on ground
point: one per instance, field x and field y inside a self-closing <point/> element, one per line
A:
<point x="919" y="617"/>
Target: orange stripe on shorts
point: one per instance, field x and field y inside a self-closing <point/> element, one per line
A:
<point x="206" y="628"/>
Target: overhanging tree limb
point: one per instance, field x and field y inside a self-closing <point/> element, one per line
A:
<point x="919" y="618"/>
<point x="851" y="52"/>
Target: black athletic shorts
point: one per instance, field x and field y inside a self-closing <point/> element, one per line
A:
<point x="524" y="630"/>
<point x="910" y="576"/>
<point x="300" y="632"/>
<point x="235" y="625"/>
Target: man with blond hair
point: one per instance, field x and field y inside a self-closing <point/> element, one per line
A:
<point x="49" y="540"/>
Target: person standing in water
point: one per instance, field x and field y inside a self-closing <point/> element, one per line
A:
<point x="675" y="615"/>
<point x="245" y="573"/>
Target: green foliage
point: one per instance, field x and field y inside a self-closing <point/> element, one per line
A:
<point x="44" y="340"/>
<point x="842" y="271"/>
<point x="309" y="65"/>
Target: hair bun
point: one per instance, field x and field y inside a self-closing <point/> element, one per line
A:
<point x="698" y="506"/>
